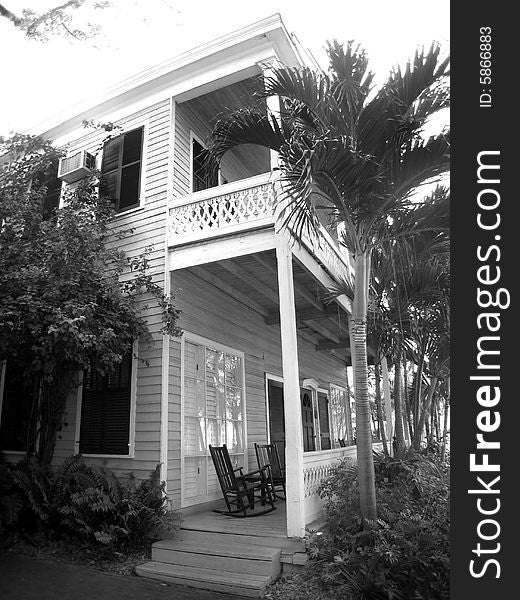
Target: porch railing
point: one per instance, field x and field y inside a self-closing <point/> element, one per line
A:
<point x="317" y="466"/>
<point x="238" y="207"/>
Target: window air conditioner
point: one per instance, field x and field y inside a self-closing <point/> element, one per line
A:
<point x="76" y="167"/>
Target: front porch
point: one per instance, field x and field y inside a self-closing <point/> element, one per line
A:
<point x="256" y="296"/>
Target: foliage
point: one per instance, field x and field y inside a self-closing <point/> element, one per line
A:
<point x="85" y="501"/>
<point x="406" y="553"/>
<point x="58" y="19"/>
<point x="70" y="299"/>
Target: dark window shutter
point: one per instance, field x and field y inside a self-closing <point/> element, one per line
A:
<point x="16" y="409"/>
<point x="121" y="169"/>
<point x="105" y="411"/>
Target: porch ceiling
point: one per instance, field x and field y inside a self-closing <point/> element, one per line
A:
<point x="252" y="280"/>
<point x="210" y="107"/>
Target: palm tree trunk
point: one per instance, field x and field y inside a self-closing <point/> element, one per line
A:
<point x="418" y="390"/>
<point x="424" y="413"/>
<point x="398" y="403"/>
<point x="379" y="408"/>
<point x="365" y="459"/>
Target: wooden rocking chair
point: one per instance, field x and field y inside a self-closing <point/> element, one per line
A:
<point x="267" y="456"/>
<point x="240" y="489"/>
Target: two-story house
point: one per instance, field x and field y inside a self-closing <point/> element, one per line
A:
<point x="264" y="355"/>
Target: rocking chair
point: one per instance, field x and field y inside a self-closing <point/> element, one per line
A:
<point x="267" y="456"/>
<point x="238" y="488"/>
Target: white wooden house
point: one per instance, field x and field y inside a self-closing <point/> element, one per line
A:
<point x="263" y="355"/>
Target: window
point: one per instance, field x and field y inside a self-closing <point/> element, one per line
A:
<point x="213" y="408"/>
<point x="16" y="403"/>
<point x="340" y="416"/>
<point x="121" y="169"/>
<point x="51" y="200"/>
<point x="201" y="179"/>
<point x="105" y="410"/>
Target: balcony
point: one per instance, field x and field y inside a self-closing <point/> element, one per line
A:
<point x="240" y="207"/>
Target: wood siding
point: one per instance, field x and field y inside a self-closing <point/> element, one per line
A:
<point x="149" y="225"/>
<point x="218" y="317"/>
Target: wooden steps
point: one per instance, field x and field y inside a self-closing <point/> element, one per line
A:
<point x="228" y="582"/>
<point x="241" y="565"/>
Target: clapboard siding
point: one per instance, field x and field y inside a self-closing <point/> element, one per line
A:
<point x="210" y="313"/>
<point x="149" y="229"/>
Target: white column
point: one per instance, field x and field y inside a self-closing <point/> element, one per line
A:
<point x="273" y="106"/>
<point x="388" y="406"/>
<point x="291" y="392"/>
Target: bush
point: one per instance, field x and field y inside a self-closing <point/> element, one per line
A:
<point x="405" y="555"/>
<point x="87" y="502"/>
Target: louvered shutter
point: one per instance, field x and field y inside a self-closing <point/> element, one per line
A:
<point x="105" y="411"/>
<point x="16" y="409"/>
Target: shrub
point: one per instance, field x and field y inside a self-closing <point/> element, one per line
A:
<point x="24" y="495"/>
<point x="87" y="502"/>
<point x="405" y="555"/>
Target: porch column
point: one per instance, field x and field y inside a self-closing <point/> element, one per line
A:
<point x="273" y="104"/>
<point x="291" y="391"/>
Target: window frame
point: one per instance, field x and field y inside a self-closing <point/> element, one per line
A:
<point x="132" y="410"/>
<point x="206" y="342"/>
<point x="348" y="423"/>
<point x="3" y="370"/>
<point x="196" y="138"/>
<point x="144" y="125"/>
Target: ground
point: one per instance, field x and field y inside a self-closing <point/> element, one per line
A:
<point x="24" y="577"/>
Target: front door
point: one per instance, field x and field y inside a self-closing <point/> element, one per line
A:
<point x="276" y="416"/>
<point x="307" y="421"/>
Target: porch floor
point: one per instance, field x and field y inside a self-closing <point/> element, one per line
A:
<point x="273" y="524"/>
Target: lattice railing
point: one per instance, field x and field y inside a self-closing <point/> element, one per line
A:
<point x="240" y="206"/>
<point x="315" y="473"/>
<point x="221" y="214"/>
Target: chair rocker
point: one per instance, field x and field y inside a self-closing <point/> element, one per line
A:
<point x="240" y="490"/>
<point x="267" y="456"/>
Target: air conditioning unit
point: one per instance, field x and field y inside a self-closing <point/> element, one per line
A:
<point x="76" y="167"/>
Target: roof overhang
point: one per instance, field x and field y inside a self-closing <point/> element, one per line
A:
<point x="220" y="62"/>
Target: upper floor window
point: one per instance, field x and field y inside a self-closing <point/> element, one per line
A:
<point x="121" y="169"/>
<point x="201" y="179"/>
<point x="51" y="200"/>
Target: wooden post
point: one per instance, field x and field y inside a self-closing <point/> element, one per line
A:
<point x="291" y="392"/>
<point x="273" y="107"/>
<point x="388" y="406"/>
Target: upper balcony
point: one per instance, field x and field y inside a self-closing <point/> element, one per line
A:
<point x="244" y="206"/>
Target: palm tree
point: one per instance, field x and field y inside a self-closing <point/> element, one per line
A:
<point x="409" y="282"/>
<point x="358" y="153"/>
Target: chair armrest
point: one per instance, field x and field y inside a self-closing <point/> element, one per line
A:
<point x="259" y="471"/>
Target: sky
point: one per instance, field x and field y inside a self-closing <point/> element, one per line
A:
<point x="38" y="80"/>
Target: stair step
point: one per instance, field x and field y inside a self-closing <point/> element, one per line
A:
<point x="285" y="544"/>
<point x="241" y="558"/>
<point x="237" y="584"/>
